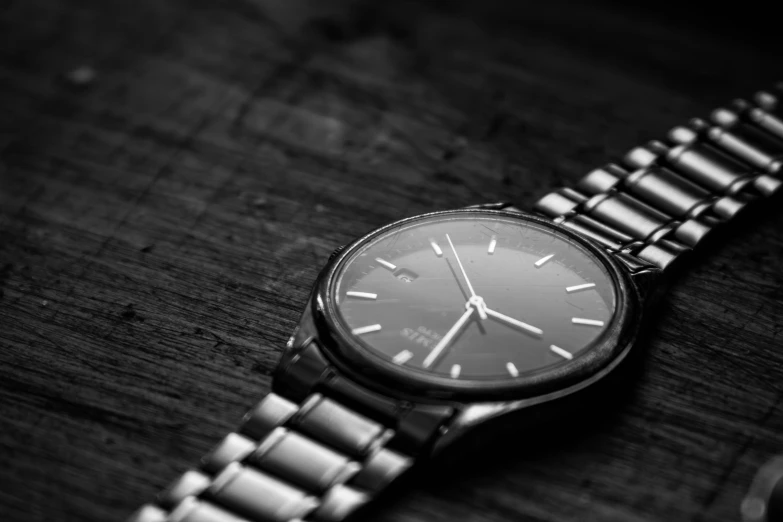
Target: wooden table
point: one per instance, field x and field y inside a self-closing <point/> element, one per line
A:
<point x="161" y="225"/>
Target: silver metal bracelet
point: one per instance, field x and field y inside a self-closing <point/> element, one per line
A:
<point x="664" y="198"/>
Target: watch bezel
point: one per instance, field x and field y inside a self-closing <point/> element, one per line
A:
<point x="358" y="362"/>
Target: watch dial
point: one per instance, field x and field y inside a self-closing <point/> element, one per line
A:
<point x="475" y="296"/>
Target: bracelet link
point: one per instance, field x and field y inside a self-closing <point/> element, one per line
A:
<point x="664" y="199"/>
<point x="316" y="459"/>
<point x="674" y="194"/>
<point x="745" y="142"/>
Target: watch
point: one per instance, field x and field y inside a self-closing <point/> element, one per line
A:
<point x="425" y="328"/>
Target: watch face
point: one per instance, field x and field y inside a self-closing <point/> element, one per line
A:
<point x="474" y="297"/>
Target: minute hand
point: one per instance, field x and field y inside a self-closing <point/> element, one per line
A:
<point x="480" y="309"/>
<point x="511" y="320"/>
<point x="448" y="338"/>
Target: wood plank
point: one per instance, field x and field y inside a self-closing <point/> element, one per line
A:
<point x="161" y="227"/>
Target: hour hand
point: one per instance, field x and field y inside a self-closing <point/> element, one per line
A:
<point x="514" y="322"/>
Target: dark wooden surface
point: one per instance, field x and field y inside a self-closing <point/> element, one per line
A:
<point x="160" y="229"/>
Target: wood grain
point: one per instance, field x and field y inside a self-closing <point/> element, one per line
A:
<point x="161" y="226"/>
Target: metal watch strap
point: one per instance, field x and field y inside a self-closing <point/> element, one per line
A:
<point x="314" y="461"/>
<point x="664" y="198"/>
<point x="306" y="460"/>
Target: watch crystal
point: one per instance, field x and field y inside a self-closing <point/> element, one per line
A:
<point x="475" y="296"/>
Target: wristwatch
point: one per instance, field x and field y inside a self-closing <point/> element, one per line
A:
<point x="428" y="327"/>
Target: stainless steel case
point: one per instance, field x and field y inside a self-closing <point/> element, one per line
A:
<point x="474" y="401"/>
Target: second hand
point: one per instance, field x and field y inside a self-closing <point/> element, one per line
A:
<point x="479" y="309"/>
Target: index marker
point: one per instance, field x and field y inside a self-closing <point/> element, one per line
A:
<point x="362" y="295"/>
<point x="386" y="264"/>
<point x="366" y="329"/>
<point x="492" y="245"/>
<point x="455" y="370"/>
<point x="587" y="322"/>
<point x="562" y="353"/>
<point x="543" y="260"/>
<point x="512" y="369"/>
<point x="577" y="288"/>
<point x="402" y="357"/>
<point x="436" y="248"/>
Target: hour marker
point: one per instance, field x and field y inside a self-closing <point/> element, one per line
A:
<point x="512" y="369"/>
<point x="362" y="295"/>
<point x="492" y="245"/>
<point x="588" y="322"/>
<point x="385" y="263"/>
<point x="562" y="353"/>
<point x="436" y="248"/>
<point x="577" y="288"/>
<point x="543" y="260"/>
<point x="455" y="371"/>
<point x="366" y="329"/>
<point x="402" y="357"/>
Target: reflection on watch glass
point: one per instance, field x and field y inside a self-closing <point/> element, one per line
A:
<point x="475" y="296"/>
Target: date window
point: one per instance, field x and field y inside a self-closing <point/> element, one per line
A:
<point x="405" y="275"/>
